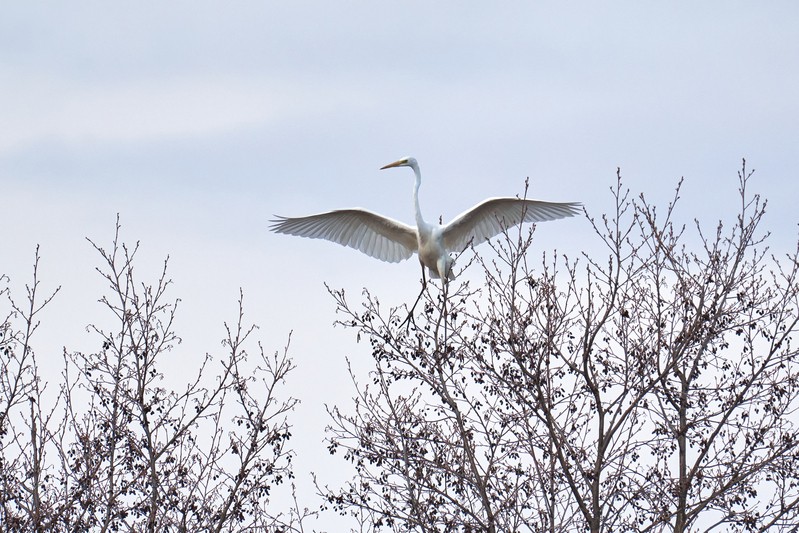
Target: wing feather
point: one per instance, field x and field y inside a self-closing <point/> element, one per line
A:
<point x="375" y="235"/>
<point x="493" y="216"/>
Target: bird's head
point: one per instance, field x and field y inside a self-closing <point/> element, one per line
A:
<point x="404" y="162"/>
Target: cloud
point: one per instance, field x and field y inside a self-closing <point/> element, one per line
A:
<point x="42" y="109"/>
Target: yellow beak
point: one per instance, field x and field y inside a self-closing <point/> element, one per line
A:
<point x="395" y="164"/>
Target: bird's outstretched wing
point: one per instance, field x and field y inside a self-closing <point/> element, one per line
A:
<point x="375" y="235"/>
<point x="489" y="218"/>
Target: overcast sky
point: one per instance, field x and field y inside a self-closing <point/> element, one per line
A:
<point x="197" y="121"/>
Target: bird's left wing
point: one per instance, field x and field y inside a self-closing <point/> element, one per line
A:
<point x="493" y="216"/>
<point x="375" y="235"/>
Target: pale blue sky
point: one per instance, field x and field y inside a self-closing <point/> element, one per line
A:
<point x="197" y="121"/>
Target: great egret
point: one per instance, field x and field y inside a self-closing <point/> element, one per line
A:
<point x="389" y="240"/>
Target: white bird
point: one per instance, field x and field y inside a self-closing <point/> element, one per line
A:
<point x="389" y="240"/>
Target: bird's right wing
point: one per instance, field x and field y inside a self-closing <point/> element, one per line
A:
<point x="493" y="216"/>
<point x="375" y="235"/>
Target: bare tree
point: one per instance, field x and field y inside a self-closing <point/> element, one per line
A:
<point x="121" y="450"/>
<point x="24" y="423"/>
<point x="652" y="391"/>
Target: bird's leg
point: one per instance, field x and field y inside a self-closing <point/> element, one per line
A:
<point x="442" y="317"/>
<point x="444" y="307"/>
<point x="409" y="318"/>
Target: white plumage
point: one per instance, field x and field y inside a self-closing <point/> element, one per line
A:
<point x="390" y="240"/>
<point x="375" y="235"/>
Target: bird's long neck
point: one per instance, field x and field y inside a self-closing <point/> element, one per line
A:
<point x="419" y="219"/>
